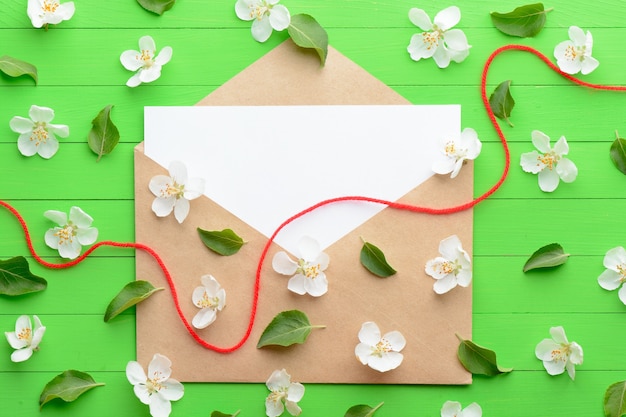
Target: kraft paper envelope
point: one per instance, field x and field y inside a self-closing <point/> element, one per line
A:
<point x="404" y="301"/>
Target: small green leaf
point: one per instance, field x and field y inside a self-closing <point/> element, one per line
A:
<point x="225" y="242"/>
<point x="501" y="102"/>
<point x="103" y="136"/>
<point x="479" y="360"/>
<point x="362" y="410"/>
<point x="67" y="386"/>
<point x="618" y="153"/>
<point x="133" y="293"/>
<point x="157" y="6"/>
<point x="306" y="32"/>
<point x="615" y="400"/>
<point x="373" y="259"/>
<point x="546" y="257"/>
<point x="15" y="68"/>
<point x="220" y="414"/>
<point x="524" y="21"/>
<point x="16" y="278"/>
<point x="287" y="328"/>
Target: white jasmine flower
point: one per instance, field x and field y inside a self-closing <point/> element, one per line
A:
<point x="452" y="268"/>
<point x="558" y="354"/>
<point x="381" y="353"/>
<point x="175" y="191"/>
<point x="456" y="151"/>
<point x="453" y="409"/>
<point x="283" y="391"/>
<point x="71" y="234"/>
<point x="267" y="15"/>
<point x="615" y="274"/>
<point x="144" y="62"/>
<point x="49" y="12"/>
<point x="25" y="340"/>
<point x="37" y="134"/>
<point x="309" y="269"/>
<point x="551" y="164"/>
<point x="210" y="298"/>
<point x="574" y="56"/>
<point x="156" y="389"/>
<point x="438" y="41"/>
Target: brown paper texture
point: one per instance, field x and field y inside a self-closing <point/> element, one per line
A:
<point x="404" y="301"/>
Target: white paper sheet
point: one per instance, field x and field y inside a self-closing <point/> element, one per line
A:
<point x="265" y="164"/>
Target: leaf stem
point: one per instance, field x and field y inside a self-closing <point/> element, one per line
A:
<point x="319" y="326"/>
<point x="378" y="406"/>
<point x="548" y="10"/>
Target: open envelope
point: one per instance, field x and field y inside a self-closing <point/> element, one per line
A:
<point x="404" y="301"/>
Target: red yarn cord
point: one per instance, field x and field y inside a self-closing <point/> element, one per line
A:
<point x="391" y="204"/>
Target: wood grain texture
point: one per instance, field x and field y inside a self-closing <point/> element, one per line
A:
<point x="80" y="73"/>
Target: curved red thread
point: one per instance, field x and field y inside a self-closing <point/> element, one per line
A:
<point x="391" y="204"/>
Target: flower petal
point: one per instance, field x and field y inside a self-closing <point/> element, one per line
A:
<point x="448" y="17"/>
<point x="204" y="318"/>
<point x="445" y="284"/>
<point x="146" y="43"/>
<point x="279" y="17"/>
<point x="456" y="39"/>
<point x="163" y="206"/>
<point x="567" y="170"/>
<point x="420" y="19"/>
<point x="66" y="10"/>
<point x="159" y="406"/>
<point x="369" y="333"/>
<point x="316" y="287"/>
<point x="181" y="209"/>
<point x="130" y="60"/>
<point x="435" y="267"/>
<point x="20" y="124"/>
<point x="530" y="162"/>
<point x="622" y="294"/>
<point x="261" y="29"/>
<point x="610" y="280"/>
<point x="362" y="351"/>
<point x="87" y="236"/>
<point x="548" y="180"/>
<point x="278" y="380"/>
<point x="69" y="249"/>
<point x="561" y="147"/>
<point x="135" y="373"/>
<point x="172" y="390"/>
<point x="297" y="284"/>
<point x="56" y="216"/>
<point x="48" y="148"/>
<point x="554" y="367"/>
<point x="418" y="48"/>
<point x="576" y="353"/>
<point x="441" y="56"/>
<point x="396" y="339"/>
<point x="386" y="362"/>
<point x="450" y="247"/>
<point x="37" y="337"/>
<point x="141" y="392"/>
<point x="26" y="146"/>
<point x="588" y="65"/>
<point x="558" y="334"/>
<point x="164" y="56"/>
<point x="541" y="141"/>
<point x="80" y="218"/>
<point x="577" y="35"/>
<point x="60" y="130"/>
<point x="51" y="239"/>
<point x="283" y="264"/>
<point x="159" y="367"/>
<point x="273" y="407"/>
<point x="293" y="408"/>
<point x="464" y="277"/>
<point x="135" y="80"/>
<point x="451" y="409"/>
<point x="14" y="341"/>
<point x="295" y="392"/>
<point x="194" y="188"/>
<point x="243" y="10"/>
<point x="571" y="370"/>
<point x="147" y="75"/>
<point x="614" y="258"/>
<point x="41" y="114"/>
<point x="309" y="248"/>
<point x="178" y="172"/>
<point x="443" y="165"/>
<point x="21" y="355"/>
<point x="210" y="284"/>
<point x="473" y="410"/>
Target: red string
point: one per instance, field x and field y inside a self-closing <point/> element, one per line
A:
<point x="391" y="204"/>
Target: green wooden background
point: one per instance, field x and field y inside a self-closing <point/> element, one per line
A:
<point x="80" y="73"/>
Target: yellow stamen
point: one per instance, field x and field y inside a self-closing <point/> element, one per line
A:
<point x="259" y="10"/>
<point x="206" y="302"/>
<point x="25" y="334"/>
<point x="65" y="235"/>
<point x="431" y="39"/>
<point x="49" y="6"/>
<point x="154" y="384"/>
<point x="173" y="189"/>
<point x="40" y="134"/>
<point x="549" y="159"/>
<point x="383" y="346"/>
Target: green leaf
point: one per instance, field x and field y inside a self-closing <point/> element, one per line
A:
<point x="618" y="153"/>
<point x="306" y="32"/>
<point x="67" y="386"/>
<point x="546" y="257"/>
<point x="157" y="6"/>
<point x="103" y="136"/>
<point x="133" y="293"/>
<point x="225" y="242"/>
<point x="501" y="101"/>
<point x="287" y="328"/>
<point x="220" y="414"/>
<point x="524" y="21"/>
<point x="16" y="278"/>
<point x="614" y="400"/>
<point x="373" y="259"/>
<point x="479" y="360"/>
<point x="16" y="68"/>
<point x="362" y="410"/>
